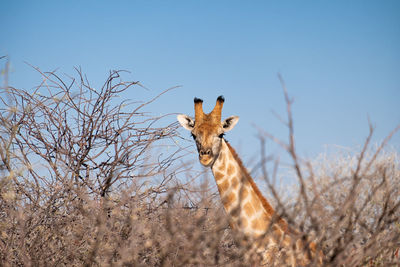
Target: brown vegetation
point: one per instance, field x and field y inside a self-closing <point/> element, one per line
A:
<point x="80" y="185"/>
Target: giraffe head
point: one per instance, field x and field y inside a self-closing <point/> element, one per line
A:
<point x="208" y="129"/>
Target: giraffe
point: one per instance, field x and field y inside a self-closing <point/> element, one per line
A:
<point x="248" y="211"/>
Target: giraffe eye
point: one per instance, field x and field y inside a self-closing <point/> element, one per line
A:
<point x="221" y="135"/>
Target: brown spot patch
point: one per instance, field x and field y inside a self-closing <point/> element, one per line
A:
<point x="235" y="212"/>
<point x="229" y="199"/>
<point x="248" y="208"/>
<point x="218" y="176"/>
<point x="222" y="168"/>
<point x="244" y="192"/>
<point x="231" y="169"/>
<point x="235" y="183"/>
<point x="258" y="224"/>
<point x="224" y="186"/>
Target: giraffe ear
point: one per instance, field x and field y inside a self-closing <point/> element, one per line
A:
<point x="186" y="121"/>
<point x="229" y="123"/>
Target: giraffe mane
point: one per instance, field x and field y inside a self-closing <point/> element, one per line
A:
<point x="281" y="222"/>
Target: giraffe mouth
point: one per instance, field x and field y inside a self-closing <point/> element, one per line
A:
<point x="206" y="160"/>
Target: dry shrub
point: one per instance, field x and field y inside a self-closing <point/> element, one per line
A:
<point x="82" y="182"/>
<point x="357" y="202"/>
<point x="349" y="203"/>
<point x="81" y="185"/>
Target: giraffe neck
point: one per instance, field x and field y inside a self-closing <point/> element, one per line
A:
<point x="248" y="210"/>
<point x="251" y="214"/>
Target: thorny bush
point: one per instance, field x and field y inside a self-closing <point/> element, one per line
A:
<point x="81" y="185"/>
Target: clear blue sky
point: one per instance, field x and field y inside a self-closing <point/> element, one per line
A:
<point x="340" y="59"/>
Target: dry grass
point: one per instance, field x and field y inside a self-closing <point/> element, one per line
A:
<point x="75" y="191"/>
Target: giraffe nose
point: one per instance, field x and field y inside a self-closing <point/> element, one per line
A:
<point x="205" y="152"/>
